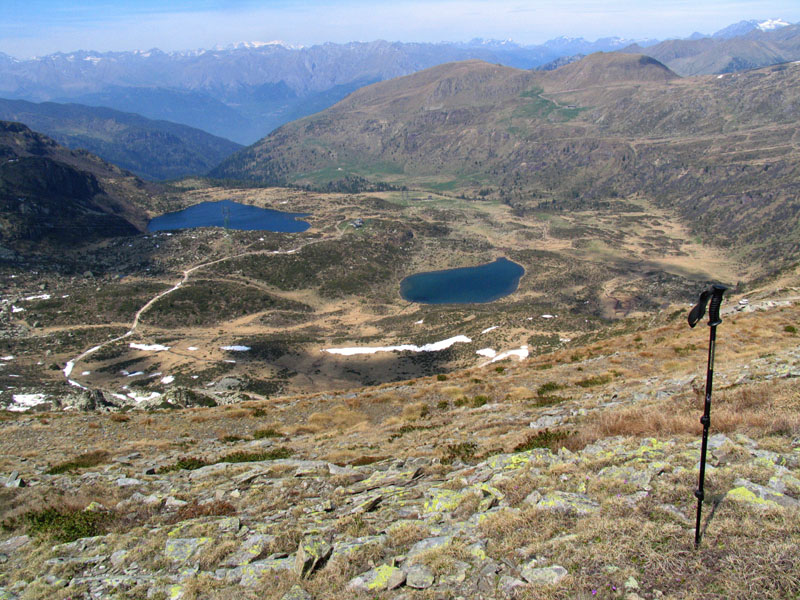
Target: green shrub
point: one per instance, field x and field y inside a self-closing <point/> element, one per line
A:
<point x="261" y="434"/>
<point x="441" y="377"/>
<point x="546" y="388"/>
<point x="593" y="381"/>
<point x="544" y="439"/>
<point x="84" y="461"/>
<point x="242" y="456"/>
<point x="443" y="405"/>
<point x="480" y="400"/>
<point x="465" y="451"/>
<point x="790" y="329"/>
<point x="65" y="524"/>
<point x="188" y="463"/>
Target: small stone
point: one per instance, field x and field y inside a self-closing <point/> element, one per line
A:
<point x="631" y="584"/>
<point x="419" y="577"/>
<point x="128" y="481"/>
<point x="384" y="577"/>
<point x="312" y="554"/>
<point x="368" y="506"/>
<point x="296" y="593"/>
<point x="510" y="586"/>
<point x="14" y="480"/>
<point x="544" y="575"/>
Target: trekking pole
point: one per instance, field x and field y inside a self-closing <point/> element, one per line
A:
<point x="715" y="294"/>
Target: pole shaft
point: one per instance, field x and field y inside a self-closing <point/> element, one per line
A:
<point x="706" y="421"/>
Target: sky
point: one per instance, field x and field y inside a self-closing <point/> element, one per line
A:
<point x="39" y="27"/>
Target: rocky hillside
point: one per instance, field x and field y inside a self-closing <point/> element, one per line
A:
<point x="717" y="150"/>
<point x="150" y="149"/>
<point x="566" y="476"/>
<point x="50" y="195"/>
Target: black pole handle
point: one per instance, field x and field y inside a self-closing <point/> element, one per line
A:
<point x="713" y="308"/>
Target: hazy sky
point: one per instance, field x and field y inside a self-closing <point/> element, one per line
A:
<point x="38" y="27"/>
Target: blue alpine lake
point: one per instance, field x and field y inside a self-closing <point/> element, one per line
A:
<point x="484" y="283"/>
<point x="233" y="215"/>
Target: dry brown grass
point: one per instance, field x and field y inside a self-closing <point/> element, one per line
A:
<point x="339" y="417"/>
<point x="412" y="412"/>
<point x="771" y="408"/>
<point x="119" y="418"/>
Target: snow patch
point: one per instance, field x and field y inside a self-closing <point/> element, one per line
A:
<point x="23" y="402"/>
<point x="17" y="309"/>
<point x="420" y="322"/>
<point x="236" y="348"/>
<point x="521" y="353"/>
<point x="142" y="398"/>
<point x="39" y="297"/>
<point x="167" y="380"/>
<point x="192" y="348"/>
<point x="433" y="347"/>
<point x="149" y="347"/>
<point x="9" y="357"/>
<point x="488" y="329"/>
<point x="68" y="369"/>
<point x="487" y="352"/>
<point x="771" y="24"/>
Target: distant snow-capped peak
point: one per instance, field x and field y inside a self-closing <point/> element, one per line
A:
<point x="255" y="45"/>
<point x="771" y="24"/>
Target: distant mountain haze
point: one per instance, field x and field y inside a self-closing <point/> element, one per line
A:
<point x="151" y="149"/>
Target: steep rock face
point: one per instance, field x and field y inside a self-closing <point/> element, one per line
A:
<point x="53" y="196"/>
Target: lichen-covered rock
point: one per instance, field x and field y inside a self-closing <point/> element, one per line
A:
<point x="252" y="549"/>
<point x="419" y="577"/>
<point x="427" y="545"/>
<point x="511" y="586"/>
<point x="250" y="575"/>
<point x="580" y="504"/>
<point x="543" y="575"/>
<point x="312" y="554"/>
<point x="758" y="495"/>
<point x="384" y="577"/>
<point x="183" y="550"/>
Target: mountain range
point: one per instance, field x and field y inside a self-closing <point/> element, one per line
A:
<point x="716" y="149"/>
<point x="243" y="91"/>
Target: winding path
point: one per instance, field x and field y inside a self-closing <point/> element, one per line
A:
<point x="70" y="365"/>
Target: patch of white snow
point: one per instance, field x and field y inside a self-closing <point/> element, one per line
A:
<point x="149" y="347"/>
<point x="488" y="329"/>
<point x="433" y="347"/>
<point x="167" y="380"/>
<point x="487" y="352"/>
<point x="23" y="402"/>
<point x="236" y="348"/>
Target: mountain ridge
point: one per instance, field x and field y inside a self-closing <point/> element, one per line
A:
<point x="155" y="150"/>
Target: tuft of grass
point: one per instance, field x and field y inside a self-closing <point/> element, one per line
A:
<point x="464" y="451"/>
<point x="242" y="456"/>
<point x="544" y="439"/>
<point x="260" y="434"/>
<point x="66" y="523"/>
<point x="215" y="508"/>
<point x="441" y="377"/>
<point x="188" y="463"/>
<point x="84" y="461"/>
<point x="547" y="388"/>
<point x="593" y="381"/>
<point x="790" y="329"/>
<point x="480" y="400"/>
